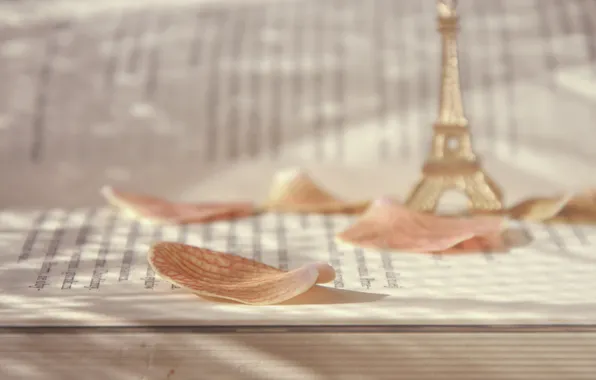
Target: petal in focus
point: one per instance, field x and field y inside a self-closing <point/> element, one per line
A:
<point x="388" y="225"/>
<point x="223" y="275"/>
<point x="295" y="191"/>
<point x="163" y="211"/>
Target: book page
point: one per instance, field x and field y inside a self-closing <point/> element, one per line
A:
<point x="89" y="267"/>
<point x="196" y="103"/>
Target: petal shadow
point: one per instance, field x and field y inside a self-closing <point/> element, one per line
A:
<point x="323" y="295"/>
<point x="320" y="295"/>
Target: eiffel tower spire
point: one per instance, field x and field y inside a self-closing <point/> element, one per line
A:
<point x="451" y="109"/>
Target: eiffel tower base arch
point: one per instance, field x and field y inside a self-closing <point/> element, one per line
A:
<point x="481" y="191"/>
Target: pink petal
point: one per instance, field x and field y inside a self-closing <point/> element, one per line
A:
<point x="388" y="225"/>
<point x="294" y="190"/>
<point x="161" y="210"/>
<point x="221" y="275"/>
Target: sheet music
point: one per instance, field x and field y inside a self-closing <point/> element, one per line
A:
<point x="89" y="267"/>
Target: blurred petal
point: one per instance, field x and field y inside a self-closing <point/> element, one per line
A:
<point x="295" y="191"/>
<point x="163" y="211"/>
<point x="388" y="225"/>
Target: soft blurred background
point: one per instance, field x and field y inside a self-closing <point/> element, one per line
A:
<point x="196" y="99"/>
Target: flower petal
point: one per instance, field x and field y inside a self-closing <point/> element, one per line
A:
<point x="388" y="225"/>
<point x="163" y="211"/>
<point x="222" y="275"/>
<point x="567" y="208"/>
<point x="293" y="190"/>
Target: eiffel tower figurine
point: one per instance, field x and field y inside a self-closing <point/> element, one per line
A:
<point x="452" y="163"/>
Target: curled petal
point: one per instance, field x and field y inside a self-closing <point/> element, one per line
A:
<point x="295" y="191"/>
<point x="388" y="225"/>
<point x="163" y="211"/>
<point x="539" y="209"/>
<point x="586" y="198"/>
<point x="222" y="275"/>
<point x="579" y="207"/>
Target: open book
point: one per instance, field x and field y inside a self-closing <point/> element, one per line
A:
<point x="89" y="267"/>
<point x="211" y="109"/>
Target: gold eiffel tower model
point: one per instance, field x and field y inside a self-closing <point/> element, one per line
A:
<point x="452" y="163"/>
